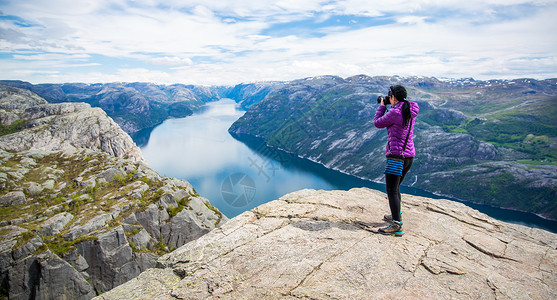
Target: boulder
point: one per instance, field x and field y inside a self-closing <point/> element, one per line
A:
<point x="93" y="224"/>
<point x="167" y="201"/>
<point x="142" y="240"/>
<point x="13" y="199"/>
<point x="110" y="259"/>
<point x="112" y="173"/>
<point x="56" y="223"/>
<point x="34" y="189"/>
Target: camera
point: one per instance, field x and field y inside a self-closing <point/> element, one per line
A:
<point x="383" y="97"/>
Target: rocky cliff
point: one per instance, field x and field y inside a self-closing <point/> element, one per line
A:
<point x="60" y="126"/>
<point x="80" y="211"/>
<point x="323" y="245"/>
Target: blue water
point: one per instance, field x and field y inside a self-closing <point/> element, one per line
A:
<point x="239" y="175"/>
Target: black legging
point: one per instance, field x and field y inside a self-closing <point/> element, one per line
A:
<point x="393" y="183"/>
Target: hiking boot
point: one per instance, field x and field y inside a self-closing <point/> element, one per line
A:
<point x="393" y="229"/>
<point x="389" y="218"/>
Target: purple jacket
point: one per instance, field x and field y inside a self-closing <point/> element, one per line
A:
<point x="397" y="133"/>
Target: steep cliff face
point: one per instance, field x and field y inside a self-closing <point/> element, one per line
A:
<point x="469" y="156"/>
<point x="80" y="211"/>
<point x="323" y="245"/>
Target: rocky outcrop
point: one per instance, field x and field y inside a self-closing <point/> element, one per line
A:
<point x="62" y="126"/>
<point x="323" y="245"/>
<point x="80" y="211"/>
<point x="94" y="220"/>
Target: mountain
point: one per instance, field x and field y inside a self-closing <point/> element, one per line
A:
<point x="322" y="245"/>
<point x="490" y="142"/>
<point x="134" y="106"/>
<point x="248" y="94"/>
<point x="80" y="211"/>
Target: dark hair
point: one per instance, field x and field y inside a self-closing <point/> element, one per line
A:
<point x="400" y="93"/>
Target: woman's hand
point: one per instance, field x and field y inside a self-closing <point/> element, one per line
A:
<point x="383" y="101"/>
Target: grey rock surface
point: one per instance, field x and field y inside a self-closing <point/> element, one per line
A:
<point x="56" y="223"/>
<point x="324" y="245"/>
<point x="59" y="280"/>
<point x="90" y="229"/>
<point x="13" y="199"/>
<point x="62" y="126"/>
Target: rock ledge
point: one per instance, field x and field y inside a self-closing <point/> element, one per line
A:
<point x="321" y="245"/>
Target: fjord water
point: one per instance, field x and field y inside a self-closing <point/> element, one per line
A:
<point x="239" y="175"/>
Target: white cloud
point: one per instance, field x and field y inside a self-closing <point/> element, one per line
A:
<point x="172" y="61"/>
<point x="52" y="56"/>
<point x="217" y="41"/>
<point x="411" y="20"/>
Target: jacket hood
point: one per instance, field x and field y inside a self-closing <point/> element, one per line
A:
<point x="414" y="109"/>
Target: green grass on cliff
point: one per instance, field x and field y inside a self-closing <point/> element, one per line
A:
<point x="84" y="202"/>
<point x="530" y="129"/>
<point x="14" y="127"/>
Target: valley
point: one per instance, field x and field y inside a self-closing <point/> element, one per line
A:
<point x="491" y="142"/>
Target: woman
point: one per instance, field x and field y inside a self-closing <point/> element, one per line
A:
<point x="399" y="122"/>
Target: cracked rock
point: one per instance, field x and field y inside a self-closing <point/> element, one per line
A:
<point x="314" y="244"/>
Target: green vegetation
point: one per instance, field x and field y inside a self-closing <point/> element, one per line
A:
<point x="182" y="203"/>
<point x="4" y="292"/>
<point x="83" y="198"/>
<point x="500" y="190"/>
<point x="307" y="121"/>
<point x="60" y="246"/>
<point x="24" y="238"/>
<point x="530" y="129"/>
<point x="536" y="162"/>
<point x="173" y="211"/>
<point x="133" y="232"/>
<point x="161" y="248"/>
<point x="216" y="211"/>
<point x="132" y="245"/>
<point x="14" y="127"/>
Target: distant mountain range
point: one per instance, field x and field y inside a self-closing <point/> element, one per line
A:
<point x="491" y="142"/>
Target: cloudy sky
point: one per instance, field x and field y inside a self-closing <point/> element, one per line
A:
<point x="234" y="41"/>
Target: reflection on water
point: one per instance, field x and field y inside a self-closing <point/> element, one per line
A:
<point x="141" y="138"/>
<point x="239" y="175"/>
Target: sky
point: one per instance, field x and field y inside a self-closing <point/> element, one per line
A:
<point x="225" y="42"/>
